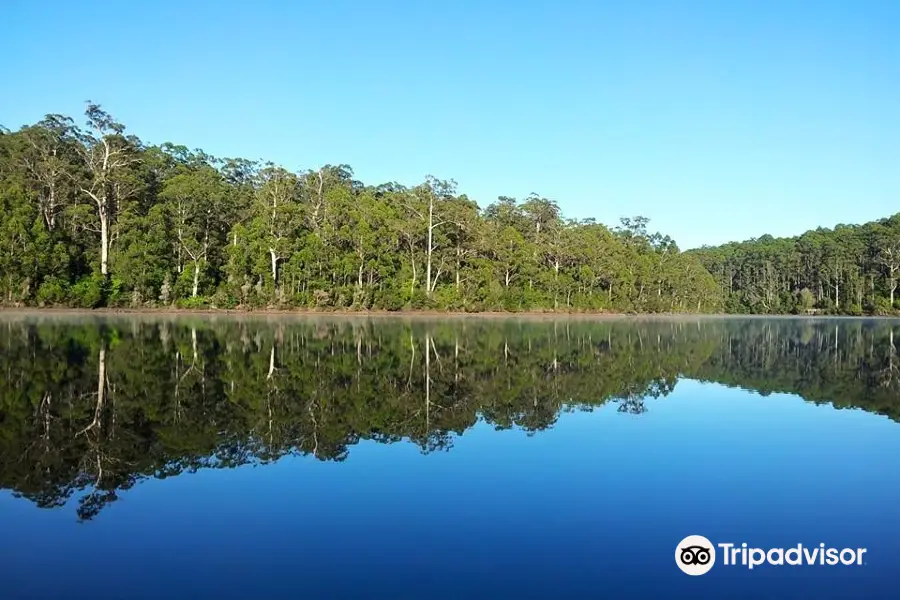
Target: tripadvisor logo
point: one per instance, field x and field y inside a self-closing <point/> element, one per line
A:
<point x="696" y="555"/>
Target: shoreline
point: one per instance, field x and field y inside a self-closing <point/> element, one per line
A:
<point x="420" y="314"/>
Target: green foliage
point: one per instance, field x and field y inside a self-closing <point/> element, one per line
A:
<point x="849" y="269"/>
<point x="419" y="300"/>
<point x="883" y="307"/>
<point x="89" y="292"/>
<point x="51" y="293"/>
<point x="223" y="299"/>
<point x="806" y="299"/>
<point x="163" y="224"/>
<point x="389" y="298"/>
<point x="113" y="291"/>
<point x="193" y="302"/>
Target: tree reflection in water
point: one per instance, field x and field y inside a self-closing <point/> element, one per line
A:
<point x="90" y="407"/>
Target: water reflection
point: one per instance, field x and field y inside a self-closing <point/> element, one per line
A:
<point x="90" y="407"/>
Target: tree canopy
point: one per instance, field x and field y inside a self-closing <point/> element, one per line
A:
<point x="92" y="216"/>
<point x="851" y="269"/>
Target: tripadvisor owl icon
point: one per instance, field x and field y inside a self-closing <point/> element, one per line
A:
<point x="695" y="555"/>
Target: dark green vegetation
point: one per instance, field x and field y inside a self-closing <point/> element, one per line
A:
<point x="95" y="217"/>
<point x="89" y="408"/>
<point x="849" y="270"/>
<point x="91" y="216"/>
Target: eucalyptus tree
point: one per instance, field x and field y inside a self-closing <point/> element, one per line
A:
<point x="107" y="155"/>
<point x="464" y="230"/>
<point x="549" y="236"/>
<point x="432" y="196"/>
<point x="315" y="186"/>
<point x="543" y="214"/>
<point x="196" y="200"/>
<point x="165" y="223"/>
<point x="50" y="160"/>
<point x="887" y="248"/>
<point x="278" y="217"/>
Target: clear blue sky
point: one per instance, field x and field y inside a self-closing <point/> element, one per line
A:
<point x="718" y="120"/>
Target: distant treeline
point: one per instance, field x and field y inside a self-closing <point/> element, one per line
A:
<point x="92" y="216"/>
<point x="852" y="269"/>
<point x="89" y="409"/>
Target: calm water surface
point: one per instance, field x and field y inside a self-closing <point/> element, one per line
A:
<point x="151" y="457"/>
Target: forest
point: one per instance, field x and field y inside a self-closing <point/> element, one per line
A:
<point x="90" y="408"/>
<point x="851" y="269"/>
<point x="91" y="216"/>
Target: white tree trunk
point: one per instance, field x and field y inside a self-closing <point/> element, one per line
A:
<point x="51" y="219"/>
<point x="458" y="253"/>
<point x="104" y="243"/>
<point x="196" y="287"/>
<point x="428" y="254"/>
<point x="412" y="262"/>
<point x="274" y="266"/>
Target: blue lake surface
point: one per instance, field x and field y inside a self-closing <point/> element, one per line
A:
<point x="149" y="457"/>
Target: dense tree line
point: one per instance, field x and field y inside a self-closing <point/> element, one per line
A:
<point x="852" y="269"/>
<point x="89" y="409"/>
<point x="92" y="216"/>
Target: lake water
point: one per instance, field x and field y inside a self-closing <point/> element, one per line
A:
<point x="219" y="457"/>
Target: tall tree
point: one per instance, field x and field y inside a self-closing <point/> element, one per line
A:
<point x="50" y="163"/>
<point x="887" y="247"/>
<point x="196" y="200"/>
<point x="278" y="216"/>
<point x="107" y="155"/>
<point x="430" y="199"/>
